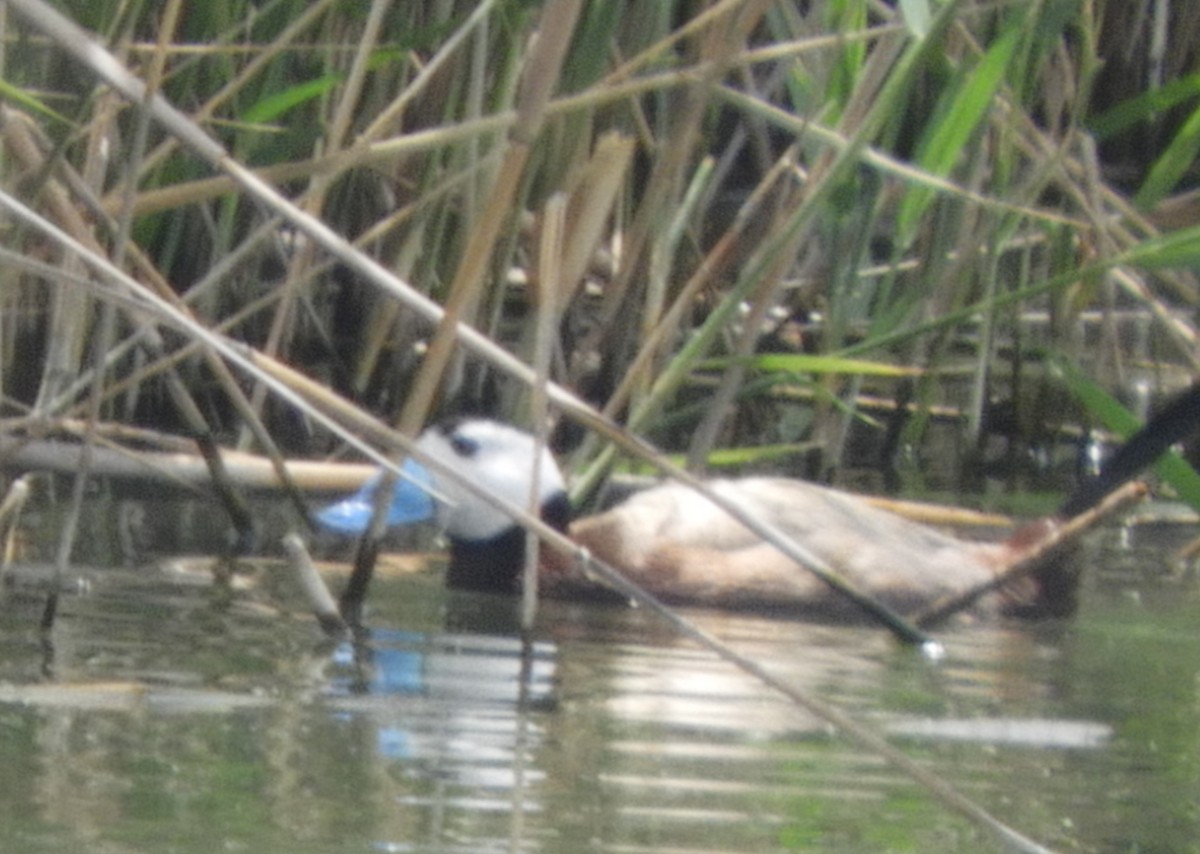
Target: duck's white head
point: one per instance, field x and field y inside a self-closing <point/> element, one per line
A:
<point x="501" y="459"/>
<point x="487" y="547"/>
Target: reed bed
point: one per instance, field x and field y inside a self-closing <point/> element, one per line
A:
<point x="780" y="221"/>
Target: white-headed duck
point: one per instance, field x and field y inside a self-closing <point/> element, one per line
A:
<point x="684" y="549"/>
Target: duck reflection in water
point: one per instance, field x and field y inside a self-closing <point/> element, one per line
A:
<point x="462" y="693"/>
<point x="684" y="549"/>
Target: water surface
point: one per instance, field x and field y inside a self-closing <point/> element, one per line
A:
<point x="167" y="712"/>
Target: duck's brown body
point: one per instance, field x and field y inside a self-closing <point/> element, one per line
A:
<point x="684" y="549"/>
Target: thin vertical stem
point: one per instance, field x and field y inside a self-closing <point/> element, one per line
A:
<point x="549" y="283"/>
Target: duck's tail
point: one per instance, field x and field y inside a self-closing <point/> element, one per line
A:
<point x="1175" y="422"/>
<point x="1050" y="588"/>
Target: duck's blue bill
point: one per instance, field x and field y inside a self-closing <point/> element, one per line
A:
<point x="410" y="503"/>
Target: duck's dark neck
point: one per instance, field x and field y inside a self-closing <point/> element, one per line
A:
<point x="493" y="566"/>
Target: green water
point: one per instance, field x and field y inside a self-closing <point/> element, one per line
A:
<point x="166" y="713"/>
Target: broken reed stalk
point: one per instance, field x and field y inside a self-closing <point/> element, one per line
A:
<point x="320" y="600"/>
<point x="10" y="515"/>
<point x="1042" y="537"/>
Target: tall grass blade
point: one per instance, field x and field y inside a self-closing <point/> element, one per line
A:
<point x="943" y="147"/>
<point x="1145" y="107"/>
<point x="21" y="98"/>
<point x="1180" y="248"/>
<point x="278" y="104"/>
<point x="1173" y="164"/>
<point x="803" y="363"/>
